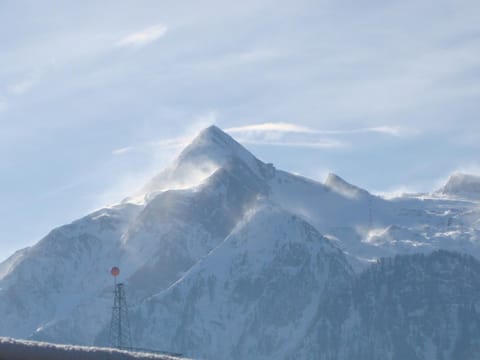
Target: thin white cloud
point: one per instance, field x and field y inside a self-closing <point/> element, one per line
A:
<point x="269" y="134"/>
<point x="123" y="150"/>
<point x="22" y="86"/>
<point x="270" y="126"/>
<point x="172" y="143"/>
<point x="143" y="37"/>
<point x="319" y="144"/>
<point x="163" y="144"/>
<point x="63" y="188"/>
<point x="175" y="143"/>
<point x="283" y="127"/>
<point x="391" y="130"/>
<point x="288" y="134"/>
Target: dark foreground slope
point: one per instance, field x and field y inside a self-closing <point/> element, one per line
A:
<point x="30" y="350"/>
<point x="407" y="307"/>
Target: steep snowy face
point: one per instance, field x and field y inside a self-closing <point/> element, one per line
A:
<point x="177" y="228"/>
<point x="407" y="307"/>
<point x="253" y="297"/>
<point x="462" y="185"/>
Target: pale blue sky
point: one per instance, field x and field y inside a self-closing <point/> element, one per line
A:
<point x="97" y="96"/>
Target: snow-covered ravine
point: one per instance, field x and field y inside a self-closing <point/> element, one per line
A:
<point x="226" y="256"/>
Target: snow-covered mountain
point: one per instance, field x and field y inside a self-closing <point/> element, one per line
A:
<point x="414" y="307"/>
<point x="254" y="296"/>
<point x="223" y="255"/>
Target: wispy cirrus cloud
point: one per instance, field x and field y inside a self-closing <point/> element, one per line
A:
<point x="122" y="150"/>
<point x="283" y="127"/>
<point x="269" y="133"/>
<point x="143" y="37"/>
<point x="288" y="134"/>
<point x="314" y="144"/>
<point x="163" y="144"/>
<point x="271" y="126"/>
<point x="24" y="85"/>
<point x="172" y="144"/>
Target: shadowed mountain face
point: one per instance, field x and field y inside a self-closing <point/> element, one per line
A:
<point x="223" y="254"/>
<point x="407" y="307"/>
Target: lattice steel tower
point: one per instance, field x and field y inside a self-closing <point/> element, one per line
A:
<point x="119" y="325"/>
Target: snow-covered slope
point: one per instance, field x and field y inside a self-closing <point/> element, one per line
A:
<point x="252" y="297"/>
<point x="32" y="350"/>
<point x="219" y="239"/>
<point x="47" y="281"/>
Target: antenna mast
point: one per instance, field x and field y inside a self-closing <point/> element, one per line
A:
<point x="119" y="325"/>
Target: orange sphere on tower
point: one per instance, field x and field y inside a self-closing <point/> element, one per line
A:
<point x="115" y="271"/>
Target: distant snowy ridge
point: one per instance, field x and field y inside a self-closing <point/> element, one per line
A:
<point x="462" y="185"/>
<point x="32" y="350"/>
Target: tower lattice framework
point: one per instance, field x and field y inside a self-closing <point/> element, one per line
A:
<point x="120" y="326"/>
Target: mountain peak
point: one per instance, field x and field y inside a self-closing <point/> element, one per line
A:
<point x="217" y="147"/>
<point x="210" y="141"/>
<point x="210" y="150"/>
<point x="212" y="132"/>
<point x="462" y="184"/>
